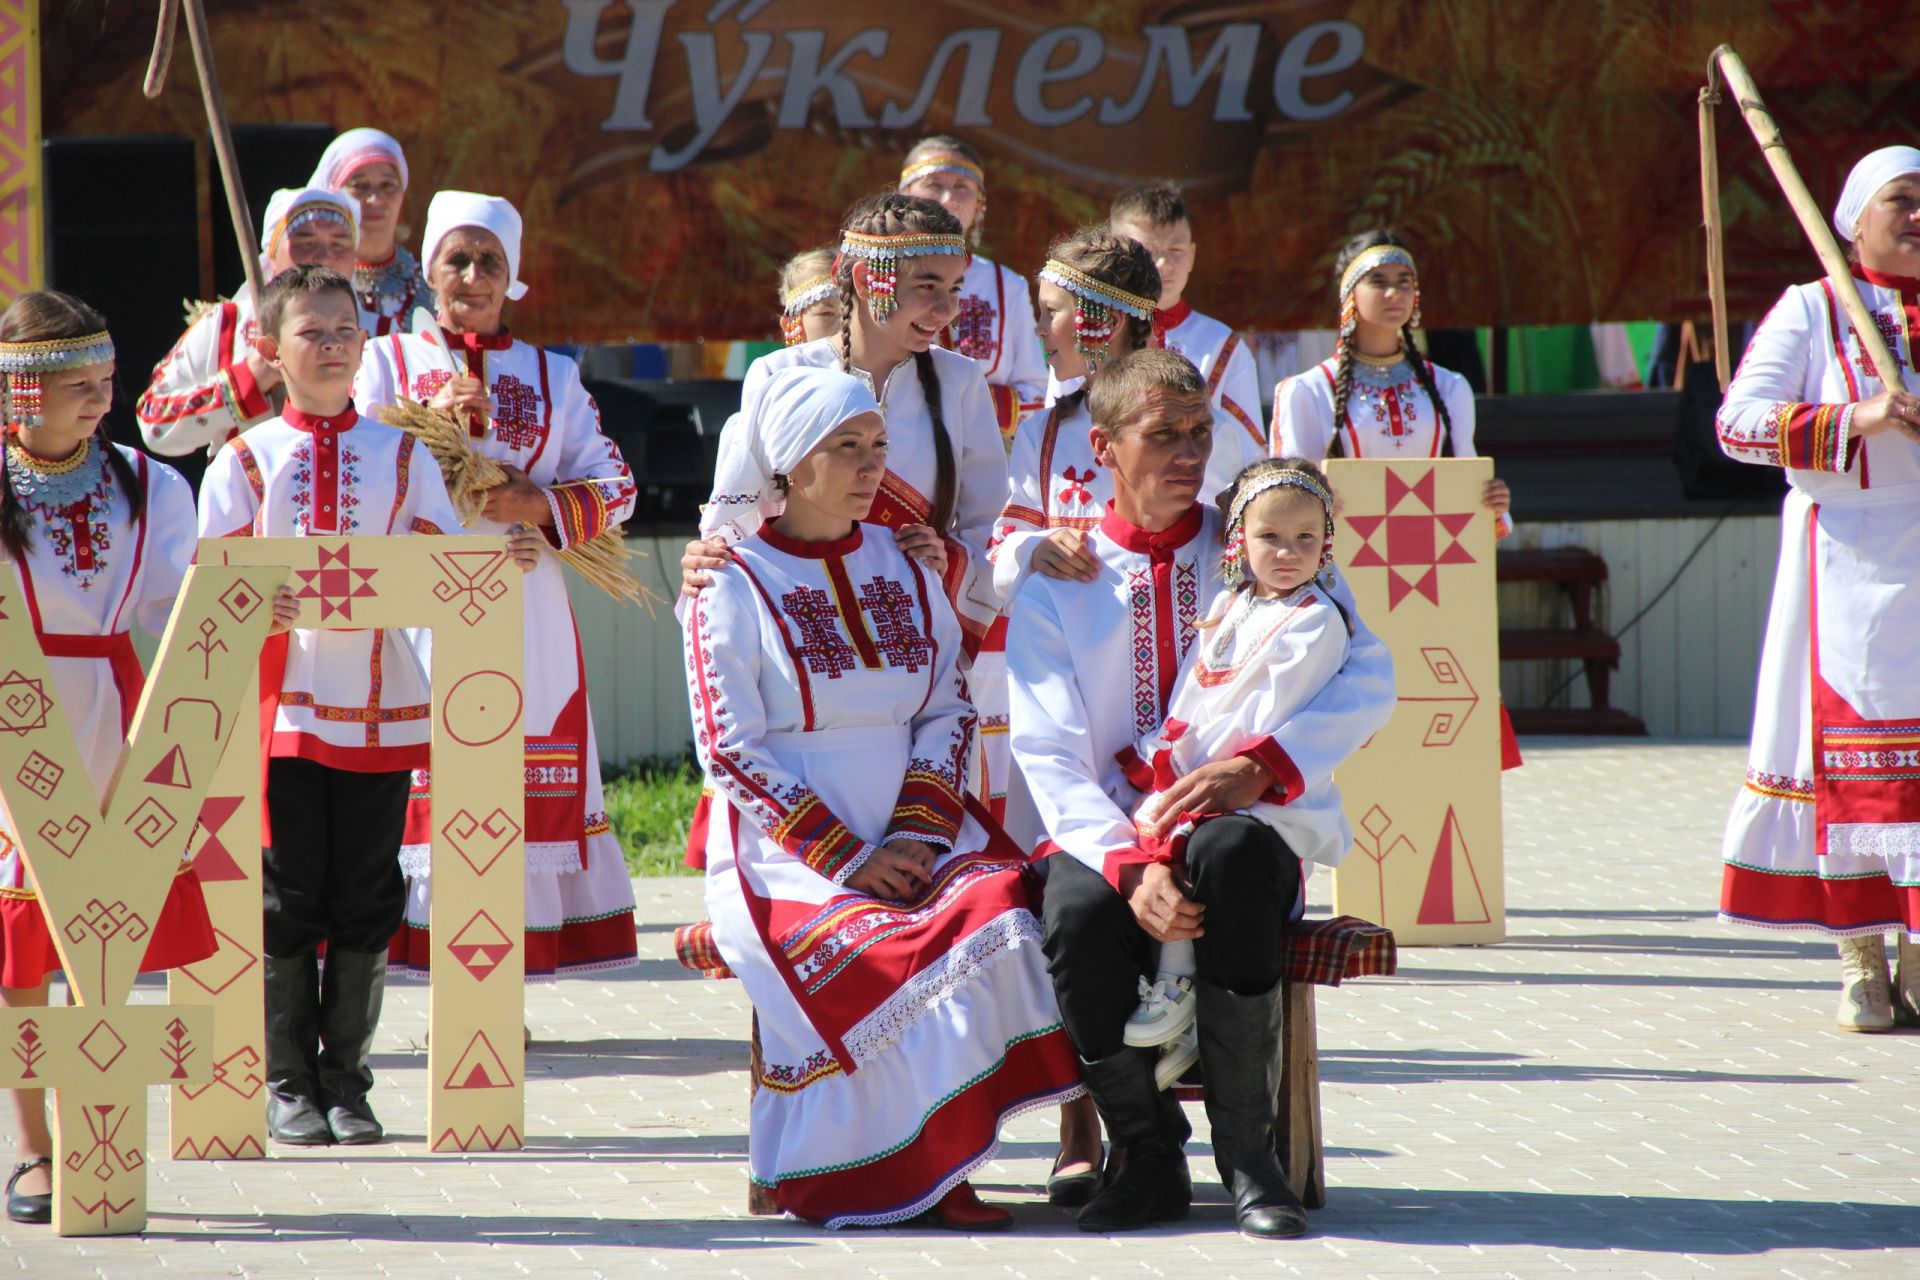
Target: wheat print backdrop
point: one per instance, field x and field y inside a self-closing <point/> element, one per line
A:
<point x="669" y="154"/>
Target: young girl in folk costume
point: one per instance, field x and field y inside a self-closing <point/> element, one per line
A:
<point x="995" y="323"/>
<point x="215" y="384"/>
<point x="1378" y="397"/>
<point x="899" y="270"/>
<point x="1096" y="300"/>
<point x="878" y="917"/>
<point x="1826" y="835"/>
<point x="369" y="166"/>
<point x="1269" y="643"/>
<point x="93" y="539"/>
<point x="526" y="409"/>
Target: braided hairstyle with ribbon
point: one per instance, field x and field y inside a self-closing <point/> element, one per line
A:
<point x="48" y="316"/>
<point x="1344" y="348"/>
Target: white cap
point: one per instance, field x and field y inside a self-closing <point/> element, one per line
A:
<point x="355" y="149"/>
<point x="451" y="210"/>
<point x="1875" y="170"/>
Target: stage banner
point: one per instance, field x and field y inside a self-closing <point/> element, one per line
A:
<point x="1423" y="796"/>
<point x="669" y="154"/>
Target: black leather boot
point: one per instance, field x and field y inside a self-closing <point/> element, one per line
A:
<point x="1240" y="1059"/>
<point x="293" y="1034"/>
<point x="352" y="989"/>
<point x="1153" y="1183"/>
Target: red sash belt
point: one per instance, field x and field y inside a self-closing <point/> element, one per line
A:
<point x="117" y="651"/>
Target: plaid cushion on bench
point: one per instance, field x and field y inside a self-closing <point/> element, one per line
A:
<point x="1323" y="952"/>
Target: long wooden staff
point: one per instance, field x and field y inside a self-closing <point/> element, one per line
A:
<point x="216" y="119"/>
<point x="1726" y="64"/>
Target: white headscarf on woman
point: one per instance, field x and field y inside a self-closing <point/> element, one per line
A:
<point x="451" y="210"/>
<point x="785" y="420"/>
<point x="292" y="207"/>
<point x="1875" y="170"/>
<point x="355" y="149"/>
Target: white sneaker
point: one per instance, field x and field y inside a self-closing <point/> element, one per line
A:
<point x="1906" y="982"/>
<point x="1180" y="1053"/>
<point x="1866" y="1000"/>
<point x="1166" y="1010"/>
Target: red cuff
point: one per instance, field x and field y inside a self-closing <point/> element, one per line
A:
<point x="1287" y="782"/>
<point x="253" y="403"/>
<point x="1139" y="773"/>
<point x="580" y="513"/>
<point x="1118" y="859"/>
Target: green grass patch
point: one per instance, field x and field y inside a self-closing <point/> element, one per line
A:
<point x="650" y="805"/>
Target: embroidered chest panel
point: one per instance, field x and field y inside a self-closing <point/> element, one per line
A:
<point x="1161" y="617"/>
<point x="975" y="329"/>
<point x="1388" y="400"/>
<point x="306" y="470"/>
<point x="519" y="419"/>
<point x="876" y="627"/>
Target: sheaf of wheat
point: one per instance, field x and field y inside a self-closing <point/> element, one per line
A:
<point x="601" y="560"/>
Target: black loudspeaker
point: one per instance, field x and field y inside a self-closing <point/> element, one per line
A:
<point x="123" y="234"/>
<point x="270" y="156"/>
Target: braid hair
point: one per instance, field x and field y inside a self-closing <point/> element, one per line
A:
<point x="885" y="214"/>
<point x="44" y="317"/>
<point x="1120" y="261"/>
<point x="1342" y="390"/>
<point x="1424" y="375"/>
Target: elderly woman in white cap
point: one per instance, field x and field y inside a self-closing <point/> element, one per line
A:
<point x="214" y="384"/>
<point x="1825" y="836"/>
<point x="369" y="166"/>
<point x="876" y="914"/>
<point x="529" y="412"/>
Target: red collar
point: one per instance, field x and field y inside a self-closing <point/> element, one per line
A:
<point x="313" y="423"/>
<point x="1901" y="284"/>
<point x="1161" y="545"/>
<point x="811" y="550"/>
<point x="372" y="266"/>
<point x="477" y="341"/>
<point x="1172" y="317"/>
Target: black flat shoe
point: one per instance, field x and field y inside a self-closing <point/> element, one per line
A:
<point x="1072" y="1190"/>
<point x="29" y="1209"/>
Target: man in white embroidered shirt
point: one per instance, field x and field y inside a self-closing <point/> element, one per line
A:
<point x="1095" y="641"/>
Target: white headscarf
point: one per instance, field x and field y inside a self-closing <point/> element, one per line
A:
<point x="355" y="149"/>
<point x="1875" y="170"/>
<point x="784" y="419"/>
<point x="452" y="210"/>
<point x="291" y="206"/>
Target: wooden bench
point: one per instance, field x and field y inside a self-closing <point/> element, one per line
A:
<point x="1320" y="953"/>
<point x="1577" y="572"/>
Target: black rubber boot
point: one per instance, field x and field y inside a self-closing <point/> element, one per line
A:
<point x="1240" y="1059"/>
<point x="352" y="989"/>
<point x="293" y="1035"/>
<point x="1153" y="1183"/>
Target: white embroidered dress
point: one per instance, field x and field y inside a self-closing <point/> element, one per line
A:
<point x="831" y="715"/>
<point x="541" y="420"/>
<point x="1092" y="669"/>
<point x="1258" y="663"/>
<point x="1825" y="835"/>
<point x="91" y="573"/>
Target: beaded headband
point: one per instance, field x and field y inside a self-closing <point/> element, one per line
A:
<point x="1094" y="302"/>
<point x="943" y="164"/>
<point x="299" y="216"/>
<point x="795" y="302"/>
<point x="882" y="255"/>
<point x="24" y="362"/>
<point x="1233" y="561"/>
<point x="1381" y="255"/>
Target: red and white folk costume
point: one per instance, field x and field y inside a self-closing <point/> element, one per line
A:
<point x="1092" y="669"/>
<point x="1826" y="834"/>
<point x="1259" y="661"/>
<point x="351" y="700"/>
<point x="830" y="711"/>
<point x="542" y="421"/>
<point x="203" y="393"/>
<point x="388" y="290"/>
<point x="91" y="572"/>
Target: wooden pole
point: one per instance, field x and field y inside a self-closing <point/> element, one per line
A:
<point x="1839" y="272"/>
<point x="157" y="65"/>
<point x="1716" y="238"/>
